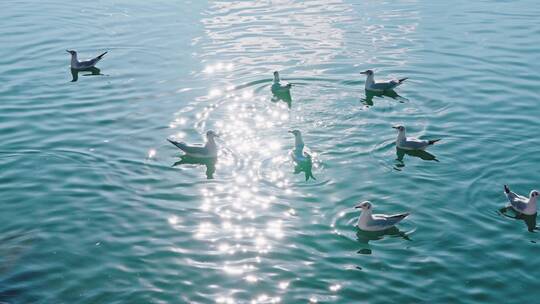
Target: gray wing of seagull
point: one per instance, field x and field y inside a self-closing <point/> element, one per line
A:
<point x="517" y="201"/>
<point x="90" y="63"/>
<point x="388" y="221"/>
<point x="196" y="150"/>
<point x="415" y="143"/>
<point x="387" y="85"/>
<point x="384" y="86"/>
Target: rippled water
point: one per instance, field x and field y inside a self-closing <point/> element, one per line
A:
<point x="92" y="210"/>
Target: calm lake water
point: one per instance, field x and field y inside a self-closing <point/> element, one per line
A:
<point x="92" y="210"/>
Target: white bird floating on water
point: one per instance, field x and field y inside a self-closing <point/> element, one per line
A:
<point x="209" y="150"/>
<point x="411" y="143"/>
<point x="520" y="203"/>
<point x="81" y="65"/>
<point x="371" y="85"/>
<point x="376" y="222"/>
<point x="301" y="158"/>
<point x="278" y="87"/>
<point x="299" y="155"/>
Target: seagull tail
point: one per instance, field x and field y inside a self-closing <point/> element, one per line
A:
<point x="506" y="189"/>
<point x="402" y="80"/>
<point x="101" y="56"/>
<point x="179" y="145"/>
<point x="431" y="142"/>
<point x="400" y="215"/>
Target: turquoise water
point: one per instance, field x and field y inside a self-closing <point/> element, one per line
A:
<point x="92" y="210"/>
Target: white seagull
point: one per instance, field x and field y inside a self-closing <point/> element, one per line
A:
<point x="301" y="158"/>
<point x="299" y="155"/>
<point x="278" y="87"/>
<point x="411" y="143"/>
<point x="371" y="85"/>
<point x="209" y="150"/>
<point x="520" y="203"/>
<point x="376" y="222"/>
<point x="81" y="65"/>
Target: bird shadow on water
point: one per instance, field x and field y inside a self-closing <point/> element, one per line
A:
<point x="306" y="167"/>
<point x="282" y="96"/>
<point x="424" y="155"/>
<point x="93" y="72"/>
<point x="209" y="163"/>
<point x="368" y="100"/>
<point x="529" y="220"/>
<point x="364" y="237"/>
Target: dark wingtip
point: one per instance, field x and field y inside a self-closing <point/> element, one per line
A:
<point x="403" y="79"/>
<point x="431" y="142"/>
<point x="102" y="54"/>
<point x="506" y="189"/>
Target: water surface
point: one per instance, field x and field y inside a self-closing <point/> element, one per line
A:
<point x="93" y="210"/>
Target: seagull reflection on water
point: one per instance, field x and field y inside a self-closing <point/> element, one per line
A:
<point x="368" y="100"/>
<point x="283" y="96"/>
<point x="93" y="72"/>
<point x="210" y="163"/>
<point x="364" y="237"/>
<point x="306" y="166"/>
<point x="528" y="219"/>
<point x="424" y="155"/>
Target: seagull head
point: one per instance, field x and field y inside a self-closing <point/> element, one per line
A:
<point x="211" y="134"/>
<point x="364" y="206"/>
<point x="295" y="132"/>
<point x="367" y="72"/>
<point x="276" y="76"/>
<point x="71" y="52"/>
<point x="534" y="194"/>
<point x="399" y="128"/>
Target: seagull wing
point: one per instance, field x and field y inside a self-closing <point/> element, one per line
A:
<point x="517" y="202"/>
<point x="415" y="143"/>
<point x="387" y="221"/>
<point x="196" y="150"/>
<point x="395" y="218"/>
<point x="383" y="86"/>
<point x="90" y="63"/>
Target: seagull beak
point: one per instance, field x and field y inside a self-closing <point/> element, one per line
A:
<point x="394" y="127"/>
<point x="358" y="207"/>
<point x="67" y="51"/>
<point x="364" y="72"/>
<point x="290" y="131"/>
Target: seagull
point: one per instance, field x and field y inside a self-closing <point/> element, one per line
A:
<point x="209" y="150"/>
<point x="81" y="65"/>
<point x="411" y="143"/>
<point x="298" y="141"/>
<point x="521" y="204"/>
<point x="277" y="87"/>
<point x="376" y="222"/>
<point x="302" y="159"/>
<point x="371" y="85"/>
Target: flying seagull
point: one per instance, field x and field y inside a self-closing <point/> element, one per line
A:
<point x="411" y="143"/>
<point x="376" y="222"/>
<point x="382" y="86"/>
